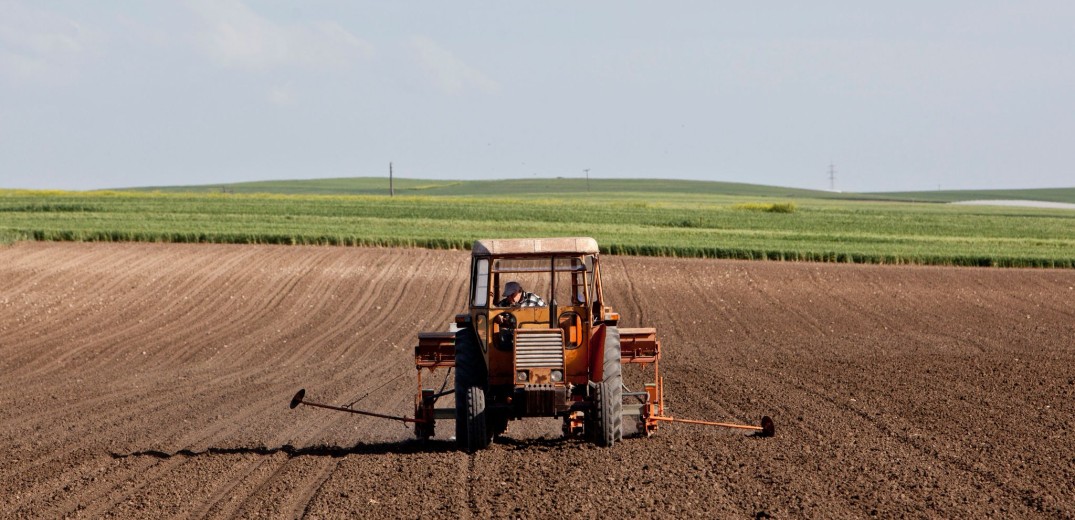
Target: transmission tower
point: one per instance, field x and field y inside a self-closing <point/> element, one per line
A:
<point x="832" y="176"/>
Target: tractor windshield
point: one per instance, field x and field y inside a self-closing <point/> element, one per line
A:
<point x="559" y="280"/>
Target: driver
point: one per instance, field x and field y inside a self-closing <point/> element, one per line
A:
<point x="515" y="296"/>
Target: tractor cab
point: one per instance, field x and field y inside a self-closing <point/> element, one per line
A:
<point x="541" y="337"/>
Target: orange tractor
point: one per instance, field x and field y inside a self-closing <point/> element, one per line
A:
<point x="538" y="340"/>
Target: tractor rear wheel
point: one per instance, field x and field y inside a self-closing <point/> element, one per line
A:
<point x="606" y="427"/>
<point x="476" y="435"/>
<point x="471" y="433"/>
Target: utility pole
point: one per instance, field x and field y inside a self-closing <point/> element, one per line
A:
<point x="391" y="184"/>
<point x="587" y="170"/>
<point x="832" y="176"/>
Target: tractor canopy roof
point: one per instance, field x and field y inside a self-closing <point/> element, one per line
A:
<point x="536" y="246"/>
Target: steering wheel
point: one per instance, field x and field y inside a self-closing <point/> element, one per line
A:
<point x="507" y="320"/>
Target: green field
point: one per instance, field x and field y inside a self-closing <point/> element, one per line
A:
<point x="1065" y="195"/>
<point x="645" y="217"/>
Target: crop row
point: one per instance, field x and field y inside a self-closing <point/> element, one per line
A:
<point x="668" y="226"/>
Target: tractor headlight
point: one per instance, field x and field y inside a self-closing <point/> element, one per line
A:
<point x="522" y="376"/>
<point x="556" y="376"/>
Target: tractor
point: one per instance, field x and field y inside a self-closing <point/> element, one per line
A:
<point x="557" y="352"/>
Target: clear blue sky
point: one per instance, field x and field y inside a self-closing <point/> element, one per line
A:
<point x="899" y="95"/>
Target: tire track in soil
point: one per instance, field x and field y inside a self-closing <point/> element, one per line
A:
<point x="244" y="354"/>
<point x="86" y="404"/>
<point x="1019" y="291"/>
<point x="913" y="330"/>
<point x="110" y="495"/>
<point x="810" y="321"/>
<point x="309" y="484"/>
<point x="275" y="295"/>
<point x="917" y="444"/>
<point x="636" y="307"/>
<point x="380" y="280"/>
<point x="99" y="505"/>
<point x="812" y="428"/>
<point x="196" y="437"/>
<point x="44" y="331"/>
<point x="819" y="393"/>
<point x="112" y="331"/>
<point x="228" y="501"/>
<point x="256" y="407"/>
<point x="473" y="511"/>
<point x="223" y="502"/>
<point x="70" y="487"/>
<point x="204" y="434"/>
<point x="125" y="420"/>
<point x="61" y="416"/>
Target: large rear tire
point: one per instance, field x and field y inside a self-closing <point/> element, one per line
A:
<point x="476" y="436"/>
<point x="471" y="433"/>
<point x="606" y="427"/>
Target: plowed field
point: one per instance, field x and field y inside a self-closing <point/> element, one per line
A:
<point x="149" y="380"/>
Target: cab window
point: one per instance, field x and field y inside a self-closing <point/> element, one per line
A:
<point x="480" y="296"/>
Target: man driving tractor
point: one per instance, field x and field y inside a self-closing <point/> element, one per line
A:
<point x="515" y="296"/>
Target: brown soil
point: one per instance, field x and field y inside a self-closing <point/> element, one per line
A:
<point x="146" y="380"/>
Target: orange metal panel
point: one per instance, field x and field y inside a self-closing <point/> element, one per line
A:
<point x="597" y="352"/>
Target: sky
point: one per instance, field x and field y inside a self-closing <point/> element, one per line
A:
<point x="909" y="95"/>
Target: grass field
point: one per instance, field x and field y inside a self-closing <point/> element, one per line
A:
<point x="684" y="219"/>
<point x="1065" y="195"/>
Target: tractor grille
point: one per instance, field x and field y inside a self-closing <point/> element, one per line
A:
<point x="539" y="348"/>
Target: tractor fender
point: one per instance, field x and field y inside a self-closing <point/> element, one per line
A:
<point x="597" y="353"/>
